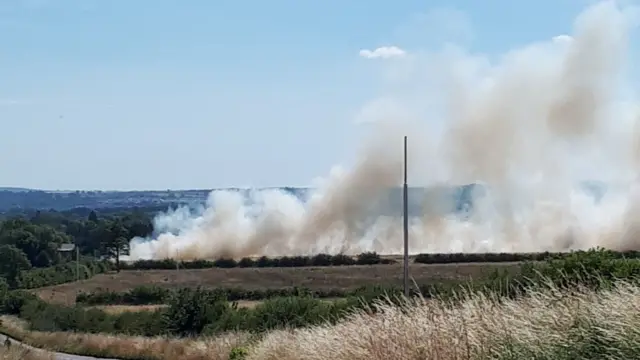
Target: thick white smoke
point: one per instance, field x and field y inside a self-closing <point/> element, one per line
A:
<point x="531" y="127"/>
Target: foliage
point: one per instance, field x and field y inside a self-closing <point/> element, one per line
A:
<point x="436" y="258"/>
<point x="200" y="311"/>
<point x="12" y="262"/>
<point x="238" y="353"/>
<point x="30" y="253"/>
<point x="367" y="258"/>
<point x="190" y="311"/>
<point x="59" y="274"/>
<point x="149" y="295"/>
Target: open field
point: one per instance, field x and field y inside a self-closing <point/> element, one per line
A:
<point x="315" y="278"/>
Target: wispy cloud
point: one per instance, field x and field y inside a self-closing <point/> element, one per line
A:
<point x="383" y="52"/>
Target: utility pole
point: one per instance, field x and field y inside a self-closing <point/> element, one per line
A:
<point x="405" y="206"/>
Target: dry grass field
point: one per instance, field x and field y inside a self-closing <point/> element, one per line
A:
<point x="335" y="277"/>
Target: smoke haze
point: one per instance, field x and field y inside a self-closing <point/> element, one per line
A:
<point x="531" y="128"/>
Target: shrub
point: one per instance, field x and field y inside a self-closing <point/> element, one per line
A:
<point x="342" y="259"/>
<point x="264" y="261"/>
<point x="190" y="310"/>
<point x="368" y="258"/>
<point x="238" y="353"/>
<point x="59" y="274"/>
<point x="321" y="260"/>
<point x="246" y="262"/>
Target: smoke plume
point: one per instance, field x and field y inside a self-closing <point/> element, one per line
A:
<point x="532" y="128"/>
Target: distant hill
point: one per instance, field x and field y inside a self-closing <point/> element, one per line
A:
<point x="14" y="189"/>
<point x="453" y="199"/>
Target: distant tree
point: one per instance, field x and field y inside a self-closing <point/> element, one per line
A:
<point x="32" y="240"/>
<point x="137" y="225"/>
<point x="93" y="217"/>
<point x="12" y="261"/>
<point x="43" y="259"/>
<point x="114" y="240"/>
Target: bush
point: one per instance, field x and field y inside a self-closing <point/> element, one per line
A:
<point x="147" y="295"/>
<point x="246" y="262"/>
<point x="59" y="274"/>
<point x="225" y="263"/>
<point x="511" y="257"/>
<point x="190" y="310"/>
<point x="368" y="258"/>
<point x="342" y="259"/>
<point x="321" y="260"/>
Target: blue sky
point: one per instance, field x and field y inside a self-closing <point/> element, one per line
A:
<point x="158" y="94"/>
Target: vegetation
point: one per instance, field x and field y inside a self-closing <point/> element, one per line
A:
<point x="30" y="254"/>
<point x="149" y="295"/>
<point x="581" y="306"/>
<point x="366" y="258"/>
<point x="316" y="279"/>
<point x="197" y="311"/>
<point x="450" y="258"/>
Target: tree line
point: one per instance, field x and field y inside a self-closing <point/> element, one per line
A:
<point x="365" y="258"/>
<point x="31" y="246"/>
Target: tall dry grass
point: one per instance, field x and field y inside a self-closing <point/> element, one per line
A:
<point x="550" y="324"/>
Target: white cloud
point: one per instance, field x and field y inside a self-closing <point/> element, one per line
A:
<point x="562" y="39"/>
<point x="383" y="52"/>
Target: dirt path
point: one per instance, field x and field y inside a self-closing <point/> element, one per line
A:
<point x="57" y="355"/>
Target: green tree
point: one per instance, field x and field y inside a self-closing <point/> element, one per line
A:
<point x="12" y="261"/>
<point x="93" y="217"/>
<point x="114" y="240"/>
<point x="33" y="240"/>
